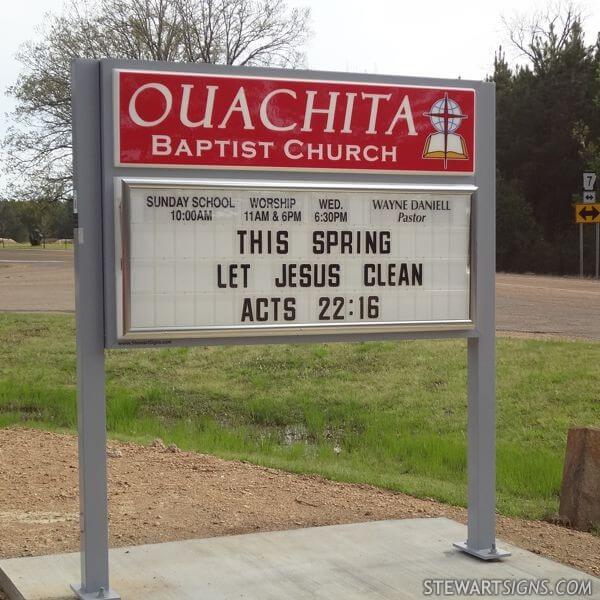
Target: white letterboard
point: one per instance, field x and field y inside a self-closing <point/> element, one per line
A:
<point x="201" y="260"/>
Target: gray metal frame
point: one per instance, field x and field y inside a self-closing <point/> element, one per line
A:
<point x="110" y="172"/>
<point x="95" y="175"/>
<point x="481" y="350"/>
<point x="89" y="293"/>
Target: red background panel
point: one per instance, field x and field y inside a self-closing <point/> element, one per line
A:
<point x="134" y="145"/>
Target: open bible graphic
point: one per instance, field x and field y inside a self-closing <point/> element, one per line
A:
<point x="446" y="116"/>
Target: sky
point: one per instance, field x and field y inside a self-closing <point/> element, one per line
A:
<point x="432" y="38"/>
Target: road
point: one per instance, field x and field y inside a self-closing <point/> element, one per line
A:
<point x="536" y="304"/>
<point x="42" y="280"/>
<point x="36" y="280"/>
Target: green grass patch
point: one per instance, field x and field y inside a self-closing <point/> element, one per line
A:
<point x="28" y="246"/>
<point x="392" y="414"/>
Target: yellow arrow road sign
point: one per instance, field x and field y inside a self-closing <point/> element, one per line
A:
<point x="587" y="213"/>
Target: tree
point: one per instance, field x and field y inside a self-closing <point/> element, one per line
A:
<point x="232" y="32"/>
<point x="519" y="240"/>
<point x="20" y="219"/>
<point x="544" y="36"/>
<point x="10" y="224"/>
<point x="545" y="115"/>
<point x="62" y="222"/>
<point x="39" y="218"/>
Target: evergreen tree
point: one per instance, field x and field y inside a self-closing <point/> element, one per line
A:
<point x="544" y="109"/>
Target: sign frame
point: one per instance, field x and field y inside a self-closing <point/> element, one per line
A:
<point x="111" y="170"/>
<point x="95" y="173"/>
<point x="234" y="333"/>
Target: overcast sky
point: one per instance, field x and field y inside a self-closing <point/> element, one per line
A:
<point x="431" y="38"/>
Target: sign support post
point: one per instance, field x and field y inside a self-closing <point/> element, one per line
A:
<point x="481" y="351"/>
<point x="91" y="403"/>
<point x="581" y="250"/>
<point x="588" y="212"/>
<point x="597" y="249"/>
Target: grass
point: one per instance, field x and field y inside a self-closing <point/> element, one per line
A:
<point x="28" y="246"/>
<point x="388" y="414"/>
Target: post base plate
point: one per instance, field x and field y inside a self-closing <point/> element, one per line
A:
<point x="484" y="553"/>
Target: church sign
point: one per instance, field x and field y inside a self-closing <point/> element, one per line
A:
<point x="205" y="120"/>
<point x="222" y="205"/>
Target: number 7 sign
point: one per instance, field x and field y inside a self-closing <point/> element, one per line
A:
<point x="589" y="181"/>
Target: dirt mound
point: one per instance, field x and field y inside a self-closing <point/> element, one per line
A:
<point x="159" y="494"/>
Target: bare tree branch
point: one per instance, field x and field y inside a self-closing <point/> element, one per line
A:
<point x="542" y="37"/>
<point x="37" y="146"/>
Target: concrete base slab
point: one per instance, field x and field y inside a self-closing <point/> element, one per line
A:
<point x="379" y="560"/>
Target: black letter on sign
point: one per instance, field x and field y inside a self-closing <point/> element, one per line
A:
<point x="289" y="306"/>
<point x="247" y="310"/>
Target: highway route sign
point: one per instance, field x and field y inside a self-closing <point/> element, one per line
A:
<point x="589" y="197"/>
<point x="589" y="181"/>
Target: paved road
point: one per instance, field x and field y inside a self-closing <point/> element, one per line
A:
<point x="564" y="306"/>
<point x="36" y="280"/>
<point x="42" y="280"/>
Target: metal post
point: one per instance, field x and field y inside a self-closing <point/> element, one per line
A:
<point x="597" y="250"/>
<point x="91" y="403"/>
<point x="481" y="355"/>
<point x="581" y="250"/>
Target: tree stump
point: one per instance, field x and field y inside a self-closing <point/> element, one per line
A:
<point x="580" y="492"/>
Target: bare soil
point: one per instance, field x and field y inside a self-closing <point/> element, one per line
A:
<point x="160" y="494"/>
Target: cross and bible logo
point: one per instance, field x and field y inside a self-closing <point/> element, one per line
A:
<point x="446" y="117"/>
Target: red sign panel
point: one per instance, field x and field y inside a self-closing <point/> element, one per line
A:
<point x="198" y="120"/>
